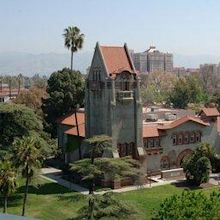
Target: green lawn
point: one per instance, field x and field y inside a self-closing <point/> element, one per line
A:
<point x="50" y="201"/>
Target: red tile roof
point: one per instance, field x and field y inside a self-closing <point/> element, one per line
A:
<point x="183" y="120"/>
<point x="69" y="119"/>
<point x="73" y="131"/>
<point x="116" y="59"/>
<point x="210" y="111"/>
<point x="150" y="131"/>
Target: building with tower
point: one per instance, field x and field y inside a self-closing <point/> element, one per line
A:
<point x="113" y="101"/>
<point x="159" y="138"/>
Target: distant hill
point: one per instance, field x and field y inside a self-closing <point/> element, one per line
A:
<point x="194" y="61"/>
<point x="30" y="64"/>
<point x="46" y="63"/>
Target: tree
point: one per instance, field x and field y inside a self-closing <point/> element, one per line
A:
<point x="189" y="205"/>
<point x="32" y="98"/>
<point x="197" y="168"/>
<point x="155" y="86"/>
<point x="206" y="150"/>
<point x="73" y="41"/>
<point x="107" y="206"/>
<point x="8" y="181"/>
<point x="97" y="167"/>
<point x="186" y="90"/>
<point x="66" y="90"/>
<point x="16" y="121"/>
<point x="27" y="156"/>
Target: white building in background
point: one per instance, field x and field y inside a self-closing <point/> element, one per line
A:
<point x="153" y="60"/>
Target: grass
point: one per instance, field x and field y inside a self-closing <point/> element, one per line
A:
<point x="50" y="201"/>
<point x="47" y="202"/>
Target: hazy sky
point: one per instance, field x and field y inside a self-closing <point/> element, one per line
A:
<point x="178" y="26"/>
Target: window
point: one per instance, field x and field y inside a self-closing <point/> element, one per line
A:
<point x="150" y="143"/>
<point x="192" y="137"/>
<point x="198" y="136"/>
<point x="180" y="139"/>
<point x="145" y="143"/>
<point x="186" y="138"/>
<point x="157" y="142"/>
<point x="174" y="139"/>
<point x="165" y="163"/>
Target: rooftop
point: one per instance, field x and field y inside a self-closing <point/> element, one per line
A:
<point x="117" y="59"/>
<point x="70" y="119"/>
<point x="210" y="112"/>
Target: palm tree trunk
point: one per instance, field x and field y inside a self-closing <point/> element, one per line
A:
<point x="5" y="204"/>
<point x="71" y="61"/>
<point x="25" y="193"/>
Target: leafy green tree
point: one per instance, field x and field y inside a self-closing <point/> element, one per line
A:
<point x="8" y="181"/>
<point x="66" y="90"/>
<point x="197" y="168"/>
<point x="73" y="41"/>
<point x="97" y="166"/>
<point x="107" y="206"/>
<point x="186" y="90"/>
<point x="27" y="157"/>
<point x="189" y="205"/>
<point x="155" y="86"/>
<point x="16" y="121"/>
<point x="206" y="150"/>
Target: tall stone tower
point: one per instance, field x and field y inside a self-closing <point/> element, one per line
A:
<point x="113" y="101"/>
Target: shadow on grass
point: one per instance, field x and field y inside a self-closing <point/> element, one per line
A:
<point x="13" y="201"/>
<point x="71" y="198"/>
<point x="184" y="184"/>
<point x="45" y="189"/>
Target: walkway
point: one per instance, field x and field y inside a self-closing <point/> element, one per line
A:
<point x="54" y="175"/>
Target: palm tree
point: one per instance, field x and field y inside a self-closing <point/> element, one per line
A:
<point x="8" y="181"/>
<point x="73" y="40"/>
<point x="27" y="156"/>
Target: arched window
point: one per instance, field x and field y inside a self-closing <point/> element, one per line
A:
<point x="192" y="137"/>
<point x="180" y="138"/>
<point x="186" y="138"/>
<point x="198" y="136"/>
<point x="165" y="162"/>
<point x="174" y="139"/>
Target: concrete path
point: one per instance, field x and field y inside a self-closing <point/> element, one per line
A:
<point x="54" y="175"/>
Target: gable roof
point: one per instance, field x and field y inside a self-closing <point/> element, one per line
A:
<point x="210" y="112"/>
<point x="181" y="121"/>
<point x="150" y="131"/>
<point x="116" y="59"/>
<point x="69" y="119"/>
<point x="73" y="131"/>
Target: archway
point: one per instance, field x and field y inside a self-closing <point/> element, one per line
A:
<point x="182" y="156"/>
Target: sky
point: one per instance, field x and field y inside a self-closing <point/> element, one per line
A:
<point x="179" y="26"/>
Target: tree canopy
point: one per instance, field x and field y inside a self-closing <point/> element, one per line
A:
<point x="189" y="205"/>
<point x="16" y="121"/>
<point x="73" y="40"/>
<point x="65" y="92"/>
<point x="186" y="90"/>
<point x="197" y="166"/>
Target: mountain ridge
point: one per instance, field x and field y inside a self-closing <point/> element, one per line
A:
<point x="45" y="63"/>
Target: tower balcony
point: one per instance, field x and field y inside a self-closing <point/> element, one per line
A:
<point x="125" y="95"/>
